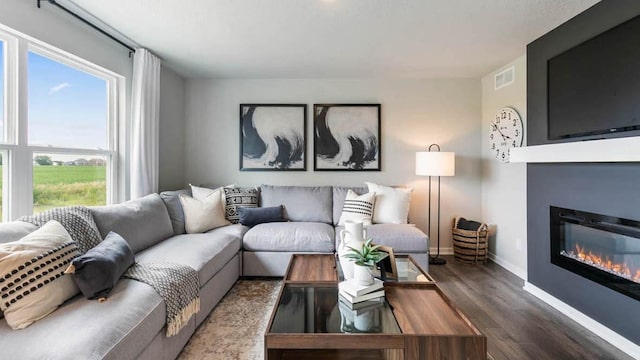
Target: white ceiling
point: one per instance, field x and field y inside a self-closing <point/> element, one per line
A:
<point x="334" y="38"/>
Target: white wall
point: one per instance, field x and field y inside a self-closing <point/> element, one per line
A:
<point x="65" y="32"/>
<point x="61" y="30"/>
<point x="171" y="156"/>
<point x="504" y="185"/>
<point x="415" y="113"/>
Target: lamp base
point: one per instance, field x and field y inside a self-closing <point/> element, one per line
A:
<point x="437" y="261"/>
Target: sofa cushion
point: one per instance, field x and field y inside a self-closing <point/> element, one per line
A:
<point x="119" y="328"/>
<point x="142" y="222"/>
<point x="301" y="203"/>
<point x="207" y="253"/>
<point x="32" y="282"/>
<point x="174" y="208"/>
<point x="98" y="271"/>
<point x="292" y="236"/>
<point x="403" y="238"/>
<point x="15" y="230"/>
<point x="339" y="194"/>
<point x="237" y="230"/>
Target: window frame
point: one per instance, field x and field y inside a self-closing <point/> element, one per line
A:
<point x="18" y="165"/>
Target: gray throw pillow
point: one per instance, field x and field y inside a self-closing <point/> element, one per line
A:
<point x="174" y="207"/>
<point x="254" y="216"/>
<point x="98" y="271"/>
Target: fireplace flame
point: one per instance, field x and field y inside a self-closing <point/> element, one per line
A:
<point x="603" y="263"/>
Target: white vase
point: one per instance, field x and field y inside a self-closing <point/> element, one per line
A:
<point x="363" y="275"/>
<point x="364" y="322"/>
<point x="353" y="236"/>
<point x="354" y="233"/>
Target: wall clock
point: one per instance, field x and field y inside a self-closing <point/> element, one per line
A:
<point x="506" y="133"/>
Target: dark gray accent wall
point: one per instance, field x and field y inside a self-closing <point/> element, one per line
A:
<point x="610" y="189"/>
<point x="595" y="20"/>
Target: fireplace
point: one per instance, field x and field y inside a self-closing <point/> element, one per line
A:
<point x="602" y="248"/>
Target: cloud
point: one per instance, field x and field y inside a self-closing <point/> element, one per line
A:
<point x="59" y="87"/>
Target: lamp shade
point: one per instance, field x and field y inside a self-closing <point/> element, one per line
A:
<point x="435" y="163"/>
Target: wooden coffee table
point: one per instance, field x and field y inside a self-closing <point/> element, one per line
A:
<point x="417" y="321"/>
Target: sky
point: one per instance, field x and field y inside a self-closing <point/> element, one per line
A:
<point x="67" y="107"/>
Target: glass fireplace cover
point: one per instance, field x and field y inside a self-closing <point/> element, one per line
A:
<point x="602" y="248"/>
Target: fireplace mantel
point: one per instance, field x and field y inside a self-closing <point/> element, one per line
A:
<point x="607" y="150"/>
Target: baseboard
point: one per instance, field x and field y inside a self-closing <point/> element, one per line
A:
<point x="443" y="251"/>
<point x="592" y="325"/>
<point x="510" y="267"/>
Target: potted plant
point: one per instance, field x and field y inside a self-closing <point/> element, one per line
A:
<point x="365" y="259"/>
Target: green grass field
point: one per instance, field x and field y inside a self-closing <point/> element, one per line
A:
<point x="67" y="185"/>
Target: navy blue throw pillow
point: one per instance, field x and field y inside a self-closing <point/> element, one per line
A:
<point x="98" y="270"/>
<point x="464" y="224"/>
<point x="255" y="216"/>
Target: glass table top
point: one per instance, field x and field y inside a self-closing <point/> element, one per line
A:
<point x="318" y="309"/>
<point x="407" y="271"/>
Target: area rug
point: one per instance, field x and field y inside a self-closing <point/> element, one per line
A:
<point x="235" y="328"/>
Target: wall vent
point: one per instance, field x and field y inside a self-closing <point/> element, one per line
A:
<point x="504" y="78"/>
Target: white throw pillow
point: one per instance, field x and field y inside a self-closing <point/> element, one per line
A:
<point x="201" y="193"/>
<point x="358" y="207"/>
<point x="203" y="215"/>
<point x="391" y="204"/>
<point x="32" y="280"/>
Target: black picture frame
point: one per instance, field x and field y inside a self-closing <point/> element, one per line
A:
<point x="347" y="137"/>
<point x="273" y="137"/>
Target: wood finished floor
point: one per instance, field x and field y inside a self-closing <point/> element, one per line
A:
<point x="517" y="324"/>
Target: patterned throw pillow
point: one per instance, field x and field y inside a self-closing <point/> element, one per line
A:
<point x="32" y="283"/>
<point x="357" y="207"/>
<point x="236" y="198"/>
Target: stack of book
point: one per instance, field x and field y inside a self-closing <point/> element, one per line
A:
<point x="354" y="294"/>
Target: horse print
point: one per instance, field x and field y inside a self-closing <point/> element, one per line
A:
<point x="272" y="136"/>
<point x="347" y="137"/>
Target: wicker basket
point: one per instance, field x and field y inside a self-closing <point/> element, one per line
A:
<point x="470" y="246"/>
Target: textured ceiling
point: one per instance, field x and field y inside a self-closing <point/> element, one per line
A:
<point x="334" y="38"/>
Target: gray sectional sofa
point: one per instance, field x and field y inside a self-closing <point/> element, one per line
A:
<point x="131" y="323"/>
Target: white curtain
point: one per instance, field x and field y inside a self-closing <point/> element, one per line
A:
<point x="145" y="105"/>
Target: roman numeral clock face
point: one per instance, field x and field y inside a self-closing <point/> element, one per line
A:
<point x="506" y="133"/>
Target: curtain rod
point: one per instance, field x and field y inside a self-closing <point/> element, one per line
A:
<point x="53" y="2"/>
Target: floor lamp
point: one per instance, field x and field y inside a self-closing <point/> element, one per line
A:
<point x="435" y="163"/>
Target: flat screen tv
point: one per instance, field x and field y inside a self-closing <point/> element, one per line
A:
<point x="594" y="88"/>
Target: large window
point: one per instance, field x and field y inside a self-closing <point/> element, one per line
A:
<point x="59" y="143"/>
